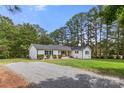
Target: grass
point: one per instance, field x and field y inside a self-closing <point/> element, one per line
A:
<point x="7" y="61"/>
<point x="113" y="67"/>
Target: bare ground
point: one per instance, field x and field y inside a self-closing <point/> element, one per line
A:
<point x="9" y="79"/>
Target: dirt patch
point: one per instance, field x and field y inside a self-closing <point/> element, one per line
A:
<point x="9" y="79"/>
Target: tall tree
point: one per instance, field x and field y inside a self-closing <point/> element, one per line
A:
<point x="76" y="28"/>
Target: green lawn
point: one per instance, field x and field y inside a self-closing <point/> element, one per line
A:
<point x="111" y="67"/>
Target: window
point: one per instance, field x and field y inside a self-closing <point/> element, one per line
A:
<point x="87" y="52"/>
<point x="76" y="52"/>
<point x="48" y="52"/>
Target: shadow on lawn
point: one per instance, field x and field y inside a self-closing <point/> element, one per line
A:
<point x="80" y="81"/>
<point x="116" y="72"/>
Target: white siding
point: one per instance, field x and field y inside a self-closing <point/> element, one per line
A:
<point x="59" y="52"/>
<point x="33" y="52"/>
<point x="41" y="52"/>
<point x="77" y="55"/>
<point x="55" y="52"/>
<point x="80" y="55"/>
<point x="87" y="56"/>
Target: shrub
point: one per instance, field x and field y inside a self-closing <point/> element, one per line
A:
<point x="40" y="56"/>
<point x="54" y="56"/>
<point x="47" y="56"/>
<point x="111" y="57"/>
<point x="103" y="57"/>
<point x="93" y="56"/>
<point x="117" y="57"/>
<point x="114" y="56"/>
<point x="59" y="56"/>
<point x="2" y="57"/>
<point x="71" y="57"/>
<point x="98" y="57"/>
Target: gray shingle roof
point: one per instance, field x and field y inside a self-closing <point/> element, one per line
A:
<point x="77" y="48"/>
<point x="52" y="47"/>
<point x="57" y="47"/>
<point x="80" y="47"/>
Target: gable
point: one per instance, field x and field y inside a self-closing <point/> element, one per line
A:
<point x="81" y="48"/>
<point x="87" y="48"/>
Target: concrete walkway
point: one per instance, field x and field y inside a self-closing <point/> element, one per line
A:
<point x="41" y="74"/>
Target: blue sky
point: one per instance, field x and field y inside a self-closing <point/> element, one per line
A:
<point x="48" y="17"/>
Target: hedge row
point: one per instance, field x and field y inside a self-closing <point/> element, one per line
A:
<point x="40" y="57"/>
<point x="110" y="57"/>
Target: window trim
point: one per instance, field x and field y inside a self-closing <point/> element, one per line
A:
<point x="87" y="52"/>
<point x="76" y="51"/>
<point x="48" y="52"/>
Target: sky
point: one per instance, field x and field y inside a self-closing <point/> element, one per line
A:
<point x="49" y="17"/>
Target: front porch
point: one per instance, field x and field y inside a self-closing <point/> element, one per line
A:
<point x="65" y="53"/>
<point x="54" y="54"/>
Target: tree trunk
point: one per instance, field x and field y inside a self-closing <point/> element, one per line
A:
<point x="81" y="36"/>
<point x="96" y="43"/>
<point x="88" y="35"/>
<point x="123" y="43"/>
<point x="107" y="31"/>
<point x="118" y="40"/>
<point x="100" y="38"/>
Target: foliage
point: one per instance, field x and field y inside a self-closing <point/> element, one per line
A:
<point x="58" y="35"/>
<point x="59" y="56"/>
<point x="54" y="56"/>
<point x="102" y="27"/>
<point x="110" y="57"/>
<point x="40" y="56"/>
<point x="47" y="56"/>
<point x="13" y="8"/>
<point x="16" y="39"/>
<point x="45" y="39"/>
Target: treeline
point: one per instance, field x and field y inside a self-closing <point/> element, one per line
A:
<point x="102" y="28"/>
<point x="16" y="39"/>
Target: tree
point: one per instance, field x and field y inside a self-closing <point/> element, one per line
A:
<point x="58" y="36"/>
<point x="100" y="25"/>
<point x="92" y="31"/>
<point x="6" y="36"/>
<point x="26" y="34"/>
<point x="13" y="8"/>
<point x="116" y="13"/>
<point x="76" y="29"/>
<point x="45" y="40"/>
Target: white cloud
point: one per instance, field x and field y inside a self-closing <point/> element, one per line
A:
<point x="40" y="7"/>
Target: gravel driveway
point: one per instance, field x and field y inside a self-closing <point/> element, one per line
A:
<point x="41" y="74"/>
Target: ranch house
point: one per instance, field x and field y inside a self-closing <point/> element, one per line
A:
<point x="59" y="51"/>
